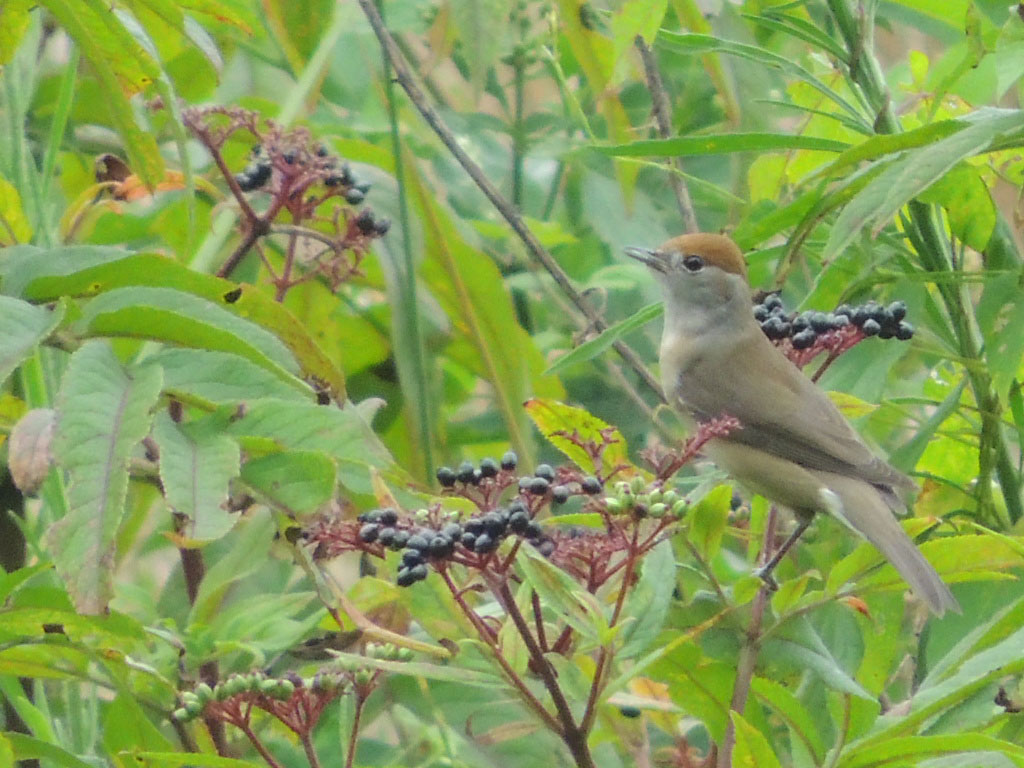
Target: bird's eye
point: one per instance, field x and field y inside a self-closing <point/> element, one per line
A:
<point x="693" y="263"/>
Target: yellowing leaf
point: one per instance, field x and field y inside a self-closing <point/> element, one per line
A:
<point x="590" y="443"/>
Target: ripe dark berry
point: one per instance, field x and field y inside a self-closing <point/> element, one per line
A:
<point x="468" y="540"/>
<point x="860" y="316"/>
<point x="771" y="301"/>
<point x="474" y="526"/>
<point x="904" y="331"/>
<point x="386" y="536"/>
<point x="419" y="542"/>
<point x="452" y="530"/>
<point x="518" y="522"/>
<point x="843" y="310"/>
<point x="477" y="477"/>
<point x="876" y="312"/>
<point x="560" y="494"/>
<point x="539" y="486"/>
<point x="761" y="312"/>
<point x="354" y="197"/>
<point x="494" y="524"/>
<point x="400" y="540"/>
<point x="465" y="472"/>
<point x="488" y="467"/>
<point x="484" y="544"/>
<point x="546" y="547"/>
<point x="383" y="225"/>
<point x="545" y="471"/>
<point x="839" y="321"/>
<point x="804" y="339"/>
<point x="418" y="572"/>
<point x="591" y="485"/>
<point x="411" y="557"/>
<point x="365" y="222"/>
<point x="775" y="328"/>
<point x="871" y="327"/>
<point x="321" y="150"/>
<point x="524" y="484"/>
<point x="388" y="517"/>
<point x="887" y="331"/>
<point x="446" y="477"/>
<point x="440" y="546"/>
<point x="820" y="322"/>
<point x="897" y="310"/>
<point x="369" y="532"/>
<point x="533" y="530"/>
<point x="405" y="578"/>
<point x="334" y="180"/>
<point x="362" y="186"/>
<point x="509" y="460"/>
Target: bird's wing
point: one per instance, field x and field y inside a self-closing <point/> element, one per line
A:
<point x="802" y="425"/>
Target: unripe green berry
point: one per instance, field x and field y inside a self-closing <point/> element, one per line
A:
<point x="637" y="484"/>
<point x="614" y="506"/>
<point x="679" y="508"/>
<point x="670" y="497"/>
<point x="194" y="708"/>
<point x="657" y="510"/>
<point x="181" y="715"/>
<point x="268" y="687"/>
<point x="364" y="676"/>
<point x="204" y="692"/>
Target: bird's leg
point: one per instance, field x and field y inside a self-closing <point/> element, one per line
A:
<point x="765" y="571"/>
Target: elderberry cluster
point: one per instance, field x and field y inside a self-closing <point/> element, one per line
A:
<point x="804" y="329"/>
<point x="257" y="172"/>
<point x="420" y="544"/>
<point x="467" y="474"/>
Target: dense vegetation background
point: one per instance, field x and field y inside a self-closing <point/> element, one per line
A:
<point x="268" y="266"/>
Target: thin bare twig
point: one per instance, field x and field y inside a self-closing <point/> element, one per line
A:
<point x="661" y="109"/>
<point x="404" y="77"/>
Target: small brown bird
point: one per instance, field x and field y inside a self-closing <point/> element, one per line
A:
<point x="793" y="446"/>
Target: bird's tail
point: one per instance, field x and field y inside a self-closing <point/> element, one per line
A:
<point x="862" y="507"/>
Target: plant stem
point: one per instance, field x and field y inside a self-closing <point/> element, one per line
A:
<point x="662" y="111"/>
<point x="264" y="752"/>
<point x="353" y="737"/>
<point x="751" y="646"/>
<point x="508" y="211"/>
<point x="310" y="750"/>
<point x="573" y="735"/>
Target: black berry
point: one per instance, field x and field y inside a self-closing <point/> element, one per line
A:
<point x="509" y="460"/>
<point x="369" y="532"/>
<point x="545" y="471"/>
<point x="488" y="467"/>
<point x="465" y="472"/>
<point x="446" y="477"/>
<point x="871" y="327"/>
<point x="591" y="485"/>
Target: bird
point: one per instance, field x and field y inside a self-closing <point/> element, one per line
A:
<point x="792" y="446"/>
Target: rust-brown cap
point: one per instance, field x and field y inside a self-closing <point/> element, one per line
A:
<point x="714" y="249"/>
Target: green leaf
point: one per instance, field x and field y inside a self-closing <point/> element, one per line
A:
<point x="483" y="29"/>
<point x="173" y="317"/>
<point x="451" y="673"/>
<point x="14" y="21"/>
<point x="127" y="730"/>
<point x="562" y="594"/>
<point x="297" y="482"/>
<point x="799" y="643"/>
<point x="581" y="436"/>
<point x="908" y="176"/>
<point x="218" y="378"/>
<point x="700" y="44"/>
<point x="14" y="226"/>
<point x="907" y="455"/>
<point x="752" y="749"/>
<point x="968" y="203"/>
<point x="196" y="466"/>
<point x="22" y="327"/>
<point x="103" y="413"/>
<point x="721" y="144"/>
<point x="29" y="747"/>
<point x="201" y="759"/>
<point x="591" y="348"/>
<point x="649" y="600"/>
<point x="708" y="519"/>
<point x="792" y="711"/>
<point x="119" y="76"/>
<point x="44" y="275"/>
<point x="912" y="749"/>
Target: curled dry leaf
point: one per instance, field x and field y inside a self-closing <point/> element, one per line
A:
<point x="30" y="452"/>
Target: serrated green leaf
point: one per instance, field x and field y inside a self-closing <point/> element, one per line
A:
<point x="22" y="327"/>
<point x="297" y="482"/>
<point x="218" y="378"/>
<point x="43" y="275"/>
<point x="591" y="348"/>
<point x="196" y="466"/>
<point x="968" y="203"/>
<point x="201" y="759"/>
<point x="29" y="747"/>
<point x="579" y="435"/>
<point x="799" y="643"/>
<point x="912" y="749"/>
<point x="173" y="317"/>
<point x="103" y="413"/>
<point x="648" y="601"/>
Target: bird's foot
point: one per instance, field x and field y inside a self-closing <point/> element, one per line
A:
<point x="765" y="574"/>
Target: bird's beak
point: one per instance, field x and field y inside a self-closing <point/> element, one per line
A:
<point x="648" y="256"/>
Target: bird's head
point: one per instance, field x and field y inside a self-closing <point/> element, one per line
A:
<point x="701" y="273"/>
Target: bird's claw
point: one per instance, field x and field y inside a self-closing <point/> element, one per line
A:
<point x="769" y="581"/>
